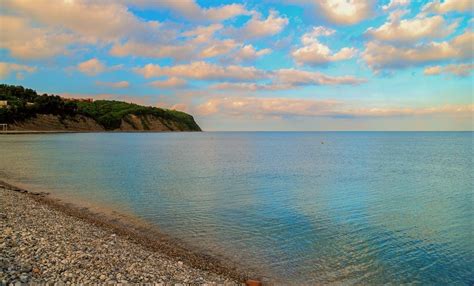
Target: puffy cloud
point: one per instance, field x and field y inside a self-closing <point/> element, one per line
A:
<point x="395" y="3"/>
<point x="172" y="82"/>
<point x="312" y="36"/>
<point x="7" y="68"/>
<point x="434" y="70"/>
<point x="314" y="52"/>
<point x="98" y="20"/>
<point x="257" y="27"/>
<point x="230" y="51"/>
<point x="458" y="70"/>
<point x="218" y="48"/>
<point x="45" y="28"/>
<point x="342" y="12"/>
<point x="202" y="34"/>
<point x="192" y="11"/>
<point x="116" y="84"/>
<point x="317" y="54"/>
<point x="202" y="71"/>
<point x="384" y="56"/>
<point x="193" y="49"/>
<point x="198" y="43"/>
<point x="412" y="30"/>
<point x="91" y="67"/>
<point x="248" y="52"/>
<point x="346" y="11"/>
<point x="26" y="42"/>
<point x="239" y="75"/>
<point x="448" y="6"/>
<point x="225" y="12"/>
<point x="299" y="77"/>
<point x="153" y="50"/>
<point x="289" y="79"/>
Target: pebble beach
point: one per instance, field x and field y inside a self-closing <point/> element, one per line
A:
<point x="42" y="244"/>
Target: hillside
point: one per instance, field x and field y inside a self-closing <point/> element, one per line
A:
<point x="27" y="110"/>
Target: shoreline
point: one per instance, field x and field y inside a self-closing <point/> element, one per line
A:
<point x="26" y="132"/>
<point x="135" y="232"/>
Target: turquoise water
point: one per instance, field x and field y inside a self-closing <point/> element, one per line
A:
<point x="362" y="208"/>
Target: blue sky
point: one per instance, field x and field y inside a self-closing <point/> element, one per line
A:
<point x="253" y="65"/>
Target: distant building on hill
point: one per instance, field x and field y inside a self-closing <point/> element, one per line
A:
<point x="79" y="99"/>
<point x="3" y="103"/>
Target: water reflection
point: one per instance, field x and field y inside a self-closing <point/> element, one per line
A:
<point x="360" y="208"/>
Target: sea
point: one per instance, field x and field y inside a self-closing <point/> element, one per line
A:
<point x="301" y="207"/>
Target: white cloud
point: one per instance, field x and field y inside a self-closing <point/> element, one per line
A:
<point x="202" y="34"/>
<point x="384" y="56"/>
<point x="192" y="11"/>
<point x="153" y="50"/>
<point x="284" y="107"/>
<point x="296" y="77"/>
<point x="202" y="71"/>
<point x="341" y="12"/>
<point x="98" y="20"/>
<point x="280" y="79"/>
<point x="172" y="82"/>
<point x="395" y="4"/>
<point x="346" y="11"/>
<point x="312" y="36"/>
<point x="412" y="30"/>
<point x="26" y="42"/>
<point x="91" y="67"/>
<point x="257" y="27"/>
<point x="238" y="106"/>
<point x="248" y="52"/>
<point x="448" y="6"/>
<point x="455" y="69"/>
<point x="8" y="68"/>
<point x="117" y="84"/>
<point x="46" y="28"/>
<point x="289" y="79"/>
<point x="218" y="48"/>
<point x="193" y="49"/>
<point x="315" y="53"/>
<point x="245" y="86"/>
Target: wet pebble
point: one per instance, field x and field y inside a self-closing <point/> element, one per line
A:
<point x="41" y="245"/>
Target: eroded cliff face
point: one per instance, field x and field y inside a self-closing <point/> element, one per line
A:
<point x="133" y="122"/>
<point x="49" y="122"/>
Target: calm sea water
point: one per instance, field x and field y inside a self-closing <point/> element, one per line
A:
<point x="362" y="208"/>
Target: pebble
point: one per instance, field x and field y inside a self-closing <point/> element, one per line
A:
<point x="24" y="277"/>
<point x="41" y="245"/>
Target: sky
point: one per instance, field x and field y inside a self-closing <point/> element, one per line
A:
<point x="297" y="65"/>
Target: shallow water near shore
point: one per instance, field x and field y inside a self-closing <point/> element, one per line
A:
<point x="302" y="207"/>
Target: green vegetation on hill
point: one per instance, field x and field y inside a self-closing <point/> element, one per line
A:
<point x="24" y="103"/>
<point x="109" y="113"/>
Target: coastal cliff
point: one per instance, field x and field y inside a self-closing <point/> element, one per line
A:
<point x="131" y="122"/>
<point x="24" y="110"/>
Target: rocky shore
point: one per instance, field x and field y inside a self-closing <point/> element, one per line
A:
<point x="40" y="243"/>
